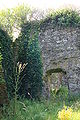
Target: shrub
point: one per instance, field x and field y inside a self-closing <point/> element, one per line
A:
<point x="10" y="19"/>
<point x="7" y="61"/>
<point x="0" y="67"/>
<point x="34" y="68"/>
<point x="13" y="18"/>
<point x="62" y="18"/>
<point x="32" y="81"/>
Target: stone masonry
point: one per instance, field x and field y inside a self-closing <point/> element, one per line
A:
<point x="60" y="48"/>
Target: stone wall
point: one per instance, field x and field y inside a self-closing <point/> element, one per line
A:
<point x="60" y="48"/>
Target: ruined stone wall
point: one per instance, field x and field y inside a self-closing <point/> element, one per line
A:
<point x="60" y="48"/>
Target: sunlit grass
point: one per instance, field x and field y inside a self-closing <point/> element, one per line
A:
<point x="41" y="110"/>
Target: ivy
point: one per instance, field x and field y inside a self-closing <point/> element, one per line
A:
<point x="10" y="19"/>
<point x="30" y="54"/>
<point x="24" y="50"/>
<point x="7" y="61"/>
<point x="0" y="67"/>
<point x="62" y="18"/>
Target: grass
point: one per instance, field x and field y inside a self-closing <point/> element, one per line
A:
<point x="28" y="110"/>
<point x="39" y="110"/>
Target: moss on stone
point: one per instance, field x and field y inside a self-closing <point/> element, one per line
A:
<point x="57" y="70"/>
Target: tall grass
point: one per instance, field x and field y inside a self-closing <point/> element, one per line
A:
<point x="38" y="110"/>
<point x="43" y="109"/>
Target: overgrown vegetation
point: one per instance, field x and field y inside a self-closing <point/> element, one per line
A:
<point x="0" y="67"/>
<point x="7" y="61"/>
<point x="23" y="50"/>
<point x="30" y="54"/>
<point x="20" y="59"/>
<point x="62" y="18"/>
<point x="42" y="110"/>
<point x="11" y="19"/>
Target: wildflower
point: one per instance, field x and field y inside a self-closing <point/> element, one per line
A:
<point x="65" y="113"/>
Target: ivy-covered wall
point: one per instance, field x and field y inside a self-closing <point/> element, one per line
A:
<point x="58" y="37"/>
<point x="59" y="40"/>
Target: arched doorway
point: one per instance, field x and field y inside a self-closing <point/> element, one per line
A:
<point x="53" y="79"/>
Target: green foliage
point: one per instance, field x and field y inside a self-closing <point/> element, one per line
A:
<point x="39" y="110"/>
<point x="0" y="60"/>
<point x="25" y="49"/>
<point x="10" y="19"/>
<point x="14" y="52"/>
<point x="27" y="110"/>
<point x="60" y="94"/>
<point x="63" y="18"/>
<point x="30" y="54"/>
<point x="7" y="61"/>
<point x="1" y="80"/>
<point x="1" y="73"/>
<point x="13" y="18"/>
<point x="34" y="68"/>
